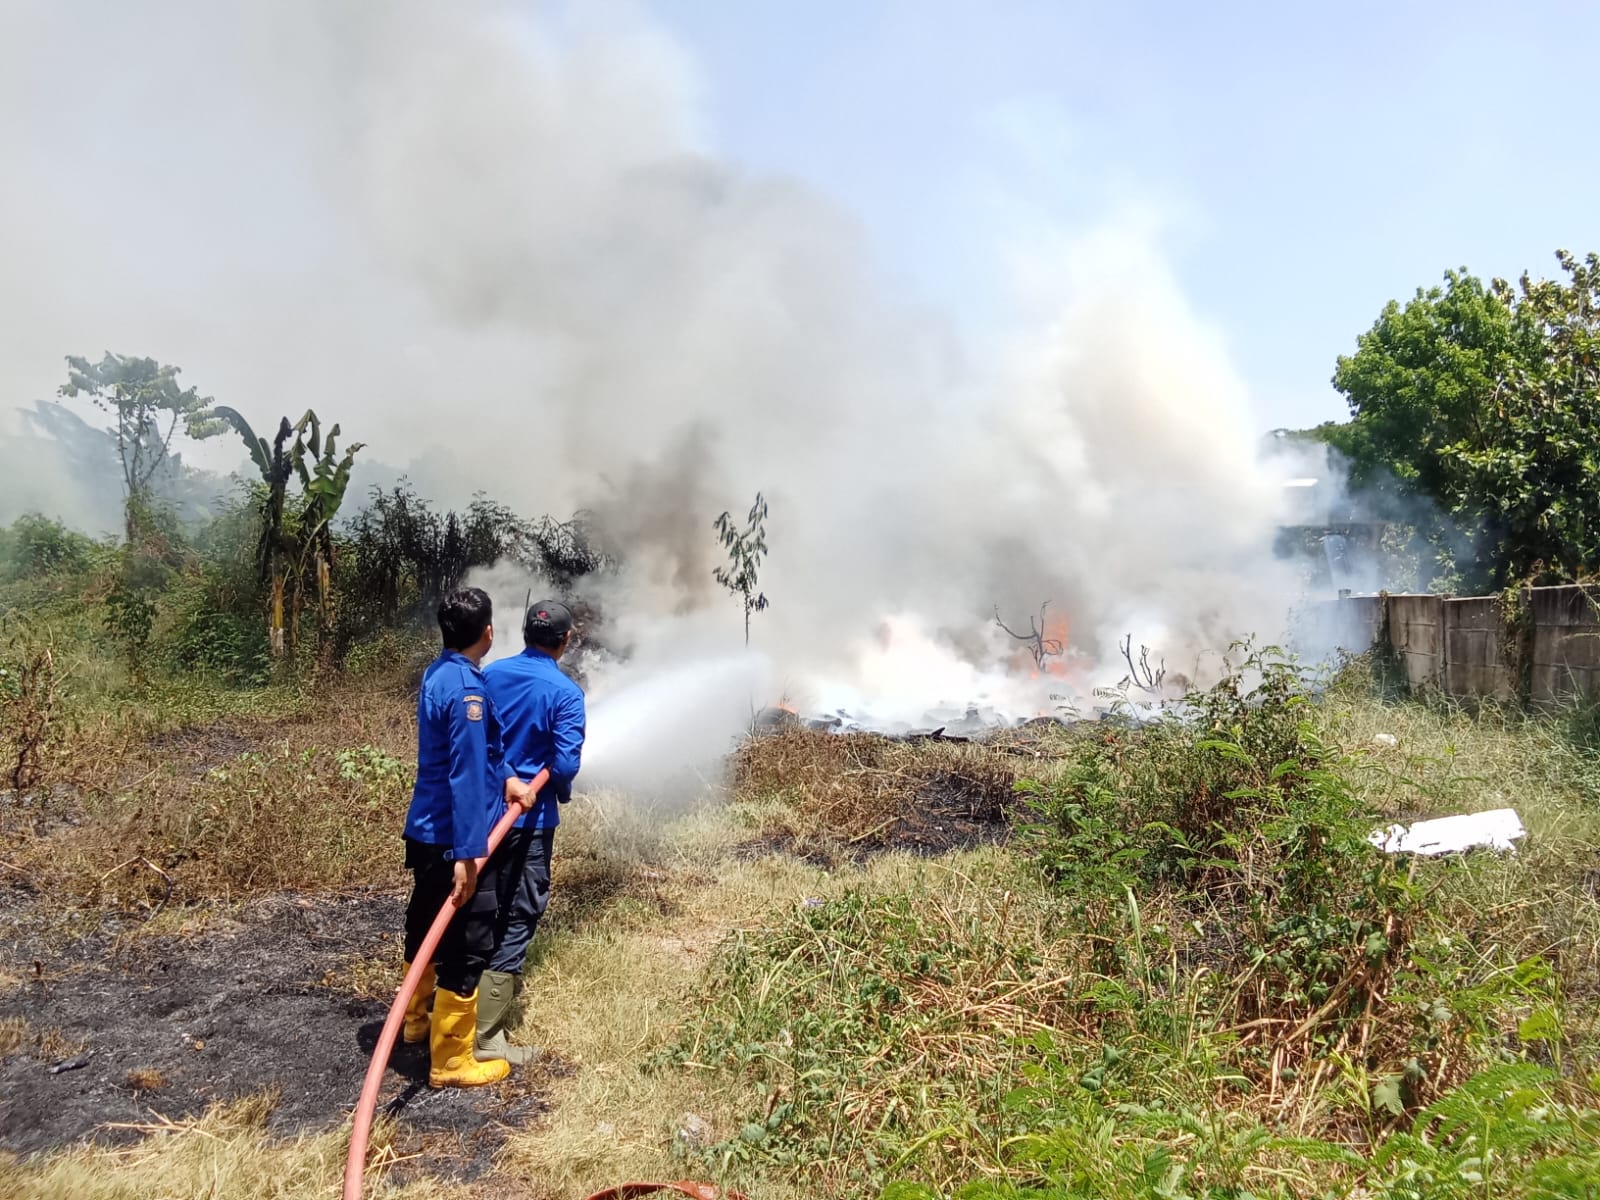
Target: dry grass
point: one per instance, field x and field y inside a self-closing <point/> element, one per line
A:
<point x="224" y="1155"/>
<point x="978" y="963"/>
<point x="371" y="977"/>
<point x="21" y="1036"/>
<point x="159" y="816"/>
<point x="1542" y="901"/>
<point x="14" y="1034"/>
<point x="1448" y="759"/>
<point x="827" y="792"/>
<point x="615" y="984"/>
<point x="645" y="897"/>
<point x="145" y="1079"/>
<point x="165" y="819"/>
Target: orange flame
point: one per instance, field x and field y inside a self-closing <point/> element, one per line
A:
<point x="1058" y="659"/>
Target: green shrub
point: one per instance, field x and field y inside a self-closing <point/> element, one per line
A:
<point x="1242" y="818"/>
<point x="34" y="545"/>
<point x="130" y="619"/>
<point x="1504" y="1133"/>
<point x="1208" y="937"/>
<point x="875" y="1025"/>
<point x="218" y="617"/>
<point x="1188" y="799"/>
<point x="231" y="644"/>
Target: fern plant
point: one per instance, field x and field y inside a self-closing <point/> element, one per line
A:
<point x="1502" y="1133"/>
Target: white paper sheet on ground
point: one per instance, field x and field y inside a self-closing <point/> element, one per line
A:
<point x="1496" y="829"/>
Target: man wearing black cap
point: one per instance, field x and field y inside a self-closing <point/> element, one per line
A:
<point x="541" y="714"/>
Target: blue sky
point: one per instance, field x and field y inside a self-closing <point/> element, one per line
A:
<point x="1312" y="161"/>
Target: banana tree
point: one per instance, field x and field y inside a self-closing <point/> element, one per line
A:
<point x="324" y="480"/>
<point x="273" y="551"/>
<point x="297" y="539"/>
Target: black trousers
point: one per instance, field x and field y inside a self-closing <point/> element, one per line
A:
<point x="464" y="950"/>
<point x="524" y="882"/>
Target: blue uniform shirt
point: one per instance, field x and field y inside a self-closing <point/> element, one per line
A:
<point x="461" y="769"/>
<point x="541" y="711"/>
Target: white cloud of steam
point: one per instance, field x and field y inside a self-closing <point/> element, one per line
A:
<point x="487" y="239"/>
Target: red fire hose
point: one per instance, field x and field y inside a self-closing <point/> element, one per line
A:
<point x="366" y="1108"/>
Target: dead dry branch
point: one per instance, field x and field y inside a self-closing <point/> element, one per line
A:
<point x="1039" y="646"/>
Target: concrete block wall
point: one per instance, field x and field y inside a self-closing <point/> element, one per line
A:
<point x="1362" y="619"/>
<point x="1416" y="632"/>
<point x="1463" y="645"/>
<point x="1476" y="663"/>
<point x="1352" y="623"/>
<point x="1566" y="643"/>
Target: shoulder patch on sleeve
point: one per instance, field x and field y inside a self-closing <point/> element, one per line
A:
<point x="474" y="708"/>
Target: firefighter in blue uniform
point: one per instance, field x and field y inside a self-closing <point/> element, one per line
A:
<point x="463" y="782"/>
<point x="541" y="712"/>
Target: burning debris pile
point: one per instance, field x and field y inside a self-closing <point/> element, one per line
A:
<point x="665" y="727"/>
<point x="940" y="724"/>
<point x="974" y="723"/>
<point x="1062" y="695"/>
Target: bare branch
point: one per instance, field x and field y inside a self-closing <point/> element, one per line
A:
<point x="1038" y="645"/>
<point x="1141" y="675"/>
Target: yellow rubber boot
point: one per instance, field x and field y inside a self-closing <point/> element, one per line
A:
<point x="455" y="1030"/>
<point x="416" y="1029"/>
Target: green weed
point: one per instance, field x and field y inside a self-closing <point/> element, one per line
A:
<point x="1206" y="982"/>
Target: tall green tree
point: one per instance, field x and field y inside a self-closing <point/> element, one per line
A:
<point x="1481" y="399"/>
<point x="1539" y="467"/>
<point x="147" y="405"/>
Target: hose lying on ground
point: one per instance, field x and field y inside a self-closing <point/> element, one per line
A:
<point x="698" y="1191"/>
<point x="367" y="1107"/>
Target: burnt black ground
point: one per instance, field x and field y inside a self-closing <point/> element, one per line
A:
<point x="943" y="811"/>
<point x="250" y="1002"/>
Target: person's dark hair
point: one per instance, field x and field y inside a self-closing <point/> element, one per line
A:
<point x="546" y="624"/>
<point x="463" y="616"/>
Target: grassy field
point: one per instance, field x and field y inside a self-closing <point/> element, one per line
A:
<point x="1183" y="972"/>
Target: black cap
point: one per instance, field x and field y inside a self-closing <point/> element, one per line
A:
<point x="547" y="622"/>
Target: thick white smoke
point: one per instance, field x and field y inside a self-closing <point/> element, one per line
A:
<point x="487" y="239"/>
